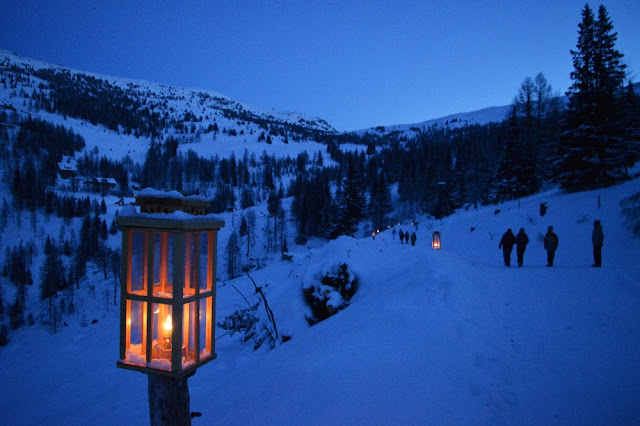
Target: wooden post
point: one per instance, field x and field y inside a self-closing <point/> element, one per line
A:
<point x="169" y="401"/>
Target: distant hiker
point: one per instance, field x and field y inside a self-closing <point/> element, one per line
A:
<point x="393" y="234"/>
<point x="406" y="237"/>
<point x="413" y="238"/>
<point x="521" y="245"/>
<point x="373" y="235"/>
<point x="401" y="236"/>
<point x="506" y="244"/>
<point x="550" y="245"/>
<point x="597" y="238"/>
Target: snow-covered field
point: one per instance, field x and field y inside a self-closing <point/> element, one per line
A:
<point x="431" y="337"/>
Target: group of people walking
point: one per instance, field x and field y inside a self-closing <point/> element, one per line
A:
<point x="521" y="240"/>
<point x="509" y="240"/>
<point x="404" y="236"/>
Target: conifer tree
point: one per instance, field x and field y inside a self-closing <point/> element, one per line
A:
<point x="380" y="202"/>
<point x="354" y="197"/>
<point x="233" y="256"/>
<point x="591" y="150"/>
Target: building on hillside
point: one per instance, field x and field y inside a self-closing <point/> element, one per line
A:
<point x="67" y="167"/>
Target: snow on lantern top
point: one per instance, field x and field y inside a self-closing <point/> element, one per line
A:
<point x="154" y="201"/>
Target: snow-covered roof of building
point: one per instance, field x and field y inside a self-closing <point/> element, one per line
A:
<point x="110" y="181"/>
<point x="68" y="164"/>
<point x="157" y="193"/>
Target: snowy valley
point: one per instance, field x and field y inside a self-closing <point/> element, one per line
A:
<point x="447" y="336"/>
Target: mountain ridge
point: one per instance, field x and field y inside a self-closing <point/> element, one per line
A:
<point x="482" y="116"/>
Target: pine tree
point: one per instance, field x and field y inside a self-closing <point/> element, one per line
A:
<point x="354" y="198"/>
<point x="243" y="230"/>
<point x="380" y="202"/>
<point x="591" y="152"/>
<point x="273" y="207"/>
<point x="233" y="256"/>
<point x="631" y="120"/>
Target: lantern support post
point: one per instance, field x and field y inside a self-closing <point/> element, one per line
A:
<point x="161" y="298"/>
<point x="169" y="400"/>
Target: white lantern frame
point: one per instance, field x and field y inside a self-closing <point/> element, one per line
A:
<point x="162" y="253"/>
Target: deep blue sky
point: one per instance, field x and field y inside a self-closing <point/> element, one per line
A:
<point x="355" y="63"/>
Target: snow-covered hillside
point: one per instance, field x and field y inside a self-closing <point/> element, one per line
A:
<point x="494" y="114"/>
<point x="431" y="337"/>
<point x="188" y="114"/>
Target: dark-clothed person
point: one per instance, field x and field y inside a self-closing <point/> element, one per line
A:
<point x="506" y="244"/>
<point x="401" y="234"/>
<point x="521" y="245"/>
<point x="597" y="238"/>
<point x="550" y="245"/>
<point x="413" y="238"/>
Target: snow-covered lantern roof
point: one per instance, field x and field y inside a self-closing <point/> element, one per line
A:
<point x="435" y="240"/>
<point x="167" y="314"/>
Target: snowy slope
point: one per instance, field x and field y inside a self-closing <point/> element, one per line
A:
<point x="18" y="82"/>
<point x="184" y="99"/>
<point x="494" y="114"/>
<point x="431" y="337"/>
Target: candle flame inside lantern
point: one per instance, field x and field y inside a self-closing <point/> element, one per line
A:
<point x="168" y="325"/>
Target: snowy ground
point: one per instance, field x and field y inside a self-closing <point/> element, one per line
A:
<point x="431" y="337"/>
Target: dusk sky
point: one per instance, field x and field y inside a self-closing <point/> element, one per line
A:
<point x="356" y="64"/>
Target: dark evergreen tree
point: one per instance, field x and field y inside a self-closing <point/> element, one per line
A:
<point x="591" y="152"/>
<point x="154" y="168"/>
<point x="233" y="256"/>
<point x="353" y="196"/>
<point x="246" y="199"/>
<point x="380" y="202"/>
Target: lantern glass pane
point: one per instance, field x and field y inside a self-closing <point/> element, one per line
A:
<point x="162" y="336"/>
<point x="162" y="264"/>
<point x="189" y="344"/>
<point x="138" y="263"/>
<point x="190" y="264"/>
<point x="204" y="338"/>
<point x="204" y="262"/>
<point x="135" y="332"/>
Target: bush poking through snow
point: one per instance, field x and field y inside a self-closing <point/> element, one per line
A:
<point x="246" y="322"/>
<point x="241" y="321"/>
<point x="332" y="294"/>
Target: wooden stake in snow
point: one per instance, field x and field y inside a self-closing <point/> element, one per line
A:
<point x="169" y="402"/>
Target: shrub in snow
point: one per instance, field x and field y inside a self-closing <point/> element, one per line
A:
<point x="245" y="322"/>
<point x="332" y="293"/>
<point x="631" y="213"/>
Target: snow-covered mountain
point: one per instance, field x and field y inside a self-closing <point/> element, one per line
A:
<point x="431" y="337"/>
<point x="174" y="101"/>
<point x="29" y="86"/>
<point x="121" y="116"/>
<point x="494" y="114"/>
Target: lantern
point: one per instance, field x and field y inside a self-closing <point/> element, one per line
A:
<point x="167" y="314"/>
<point x="435" y="240"/>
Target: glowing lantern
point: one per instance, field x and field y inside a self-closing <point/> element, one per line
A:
<point x="167" y="311"/>
<point x="435" y="240"/>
